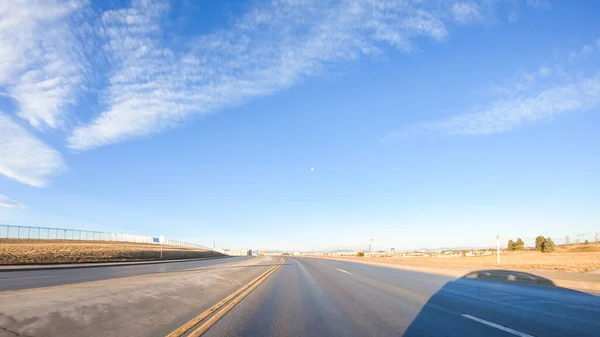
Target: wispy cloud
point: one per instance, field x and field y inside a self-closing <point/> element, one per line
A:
<point x="536" y="96"/>
<point x="55" y="52"/>
<point x="508" y="114"/>
<point x="539" y="3"/>
<point x="9" y="203"/>
<point x="25" y="158"/>
<point x="154" y="85"/>
<point x="40" y="61"/>
<point x="465" y="11"/>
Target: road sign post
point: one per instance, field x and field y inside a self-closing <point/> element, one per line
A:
<point x="158" y="240"/>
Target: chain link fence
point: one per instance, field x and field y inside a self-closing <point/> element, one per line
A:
<point x="49" y="233"/>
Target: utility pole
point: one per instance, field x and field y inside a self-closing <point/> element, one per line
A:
<point x="498" y="247"/>
<point x="214" y="251"/>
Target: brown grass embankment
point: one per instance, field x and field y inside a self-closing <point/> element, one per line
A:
<point x="24" y="251"/>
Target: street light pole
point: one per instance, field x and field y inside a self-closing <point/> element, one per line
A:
<point x="498" y="247"/>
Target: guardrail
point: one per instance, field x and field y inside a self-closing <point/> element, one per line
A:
<point x="50" y="233"/>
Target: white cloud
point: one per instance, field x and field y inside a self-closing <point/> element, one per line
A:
<point x="25" y="158"/>
<point x="539" y="3"/>
<point x="543" y="72"/>
<point x="154" y="86"/>
<point x="40" y="65"/>
<point x="53" y="50"/>
<point x="9" y="203"/>
<point x="536" y="96"/>
<point x="465" y="11"/>
<point x="506" y="115"/>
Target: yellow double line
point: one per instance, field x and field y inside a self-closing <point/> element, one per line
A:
<point x="225" y="305"/>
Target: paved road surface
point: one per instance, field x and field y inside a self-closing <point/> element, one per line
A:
<point x="304" y="297"/>
<point x="139" y="306"/>
<point x="320" y="297"/>
<point x="15" y="280"/>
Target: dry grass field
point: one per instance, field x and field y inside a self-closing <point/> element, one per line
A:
<point x="575" y="258"/>
<point x="19" y="251"/>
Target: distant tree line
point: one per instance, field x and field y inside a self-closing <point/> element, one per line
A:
<point x="542" y="244"/>
<point x="516" y="245"/>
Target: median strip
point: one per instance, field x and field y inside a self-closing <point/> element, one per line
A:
<point x="191" y="328"/>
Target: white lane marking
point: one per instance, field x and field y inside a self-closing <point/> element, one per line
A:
<point x="497" y="326"/>
<point x="343" y="271"/>
<point x="23" y="278"/>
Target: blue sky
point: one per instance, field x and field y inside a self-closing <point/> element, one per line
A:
<point x="427" y="123"/>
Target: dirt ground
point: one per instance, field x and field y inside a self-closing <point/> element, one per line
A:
<point x="19" y="251"/>
<point x="574" y="259"/>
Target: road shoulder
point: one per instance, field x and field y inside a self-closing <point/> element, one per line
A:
<point x="588" y="282"/>
<point x="136" y="306"/>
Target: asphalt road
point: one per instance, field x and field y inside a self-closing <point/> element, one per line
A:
<point x="16" y="280"/>
<point x="304" y="297"/>
<point x="320" y="297"/>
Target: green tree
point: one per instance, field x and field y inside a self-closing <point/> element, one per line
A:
<point x="548" y="245"/>
<point x="586" y="242"/>
<point x="511" y="245"/>
<point x="520" y="245"/>
<point x="360" y="254"/>
<point x="538" y="242"/>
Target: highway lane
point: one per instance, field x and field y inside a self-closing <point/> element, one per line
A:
<point x="16" y="280"/>
<point x="321" y="297"/>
